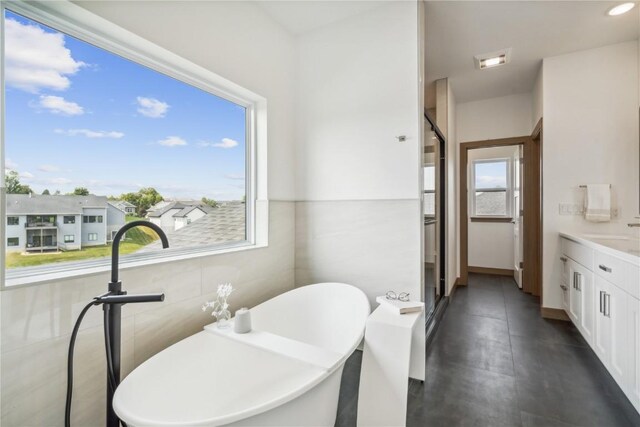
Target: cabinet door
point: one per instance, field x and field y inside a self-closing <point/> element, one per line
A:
<point x="616" y="309"/>
<point x="575" y="302"/>
<point x="633" y="347"/>
<point x="602" y="323"/>
<point x="584" y="280"/>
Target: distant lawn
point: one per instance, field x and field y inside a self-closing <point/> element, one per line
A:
<point x="135" y="239"/>
<point x="17" y="259"/>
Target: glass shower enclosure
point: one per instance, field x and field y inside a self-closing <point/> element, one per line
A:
<point x="433" y="212"/>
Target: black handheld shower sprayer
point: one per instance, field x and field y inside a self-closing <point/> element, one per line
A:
<point x="111" y="302"/>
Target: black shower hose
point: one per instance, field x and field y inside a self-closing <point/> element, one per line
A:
<point x="107" y="342"/>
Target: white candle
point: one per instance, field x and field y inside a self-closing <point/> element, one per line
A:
<point x="242" y="321"/>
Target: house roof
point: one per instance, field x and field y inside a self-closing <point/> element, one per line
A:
<point x="223" y="224"/>
<point x="186" y="211"/>
<point x="24" y="204"/>
<point x="155" y="213"/>
<point x="123" y="203"/>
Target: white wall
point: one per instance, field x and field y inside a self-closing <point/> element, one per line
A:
<point x="358" y="91"/>
<point x="233" y="39"/>
<point x="452" y="223"/>
<point x="358" y="218"/>
<point x="496" y="236"/>
<point x="537" y="97"/>
<point x="590" y="136"/>
<point x="493" y="118"/>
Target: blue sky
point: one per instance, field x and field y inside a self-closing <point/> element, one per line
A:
<point x="77" y="115"/>
<point x="491" y="174"/>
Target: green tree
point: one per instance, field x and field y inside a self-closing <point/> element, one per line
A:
<point x="12" y="182"/>
<point x="46" y="192"/>
<point x="80" y="191"/>
<point x="143" y="199"/>
<point x="209" y="202"/>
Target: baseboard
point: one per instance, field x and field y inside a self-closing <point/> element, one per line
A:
<point x="455" y="287"/>
<point x="486" y="270"/>
<point x="554" y="313"/>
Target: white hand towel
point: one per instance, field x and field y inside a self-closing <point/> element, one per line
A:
<point x="598" y="203"/>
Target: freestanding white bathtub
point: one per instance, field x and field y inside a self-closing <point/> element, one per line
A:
<point x="286" y="372"/>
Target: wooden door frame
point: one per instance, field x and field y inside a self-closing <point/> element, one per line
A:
<point x="532" y="218"/>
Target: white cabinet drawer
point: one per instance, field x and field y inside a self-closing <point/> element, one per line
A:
<point x="618" y="272"/>
<point x="577" y="252"/>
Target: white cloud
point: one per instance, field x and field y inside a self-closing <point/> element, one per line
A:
<point x="90" y="133"/>
<point x="234" y="176"/>
<point x="226" y="143"/>
<point x="10" y="165"/>
<point x="48" y="168"/>
<point x="36" y="59"/>
<point x="59" y="181"/>
<point x="26" y="175"/>
<point x="58" y="105"/>
<point x="488" y="181"/>
<point x="151" y="107"/>
<point x="172" y="141"/>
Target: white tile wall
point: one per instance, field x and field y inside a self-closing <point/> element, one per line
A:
<point x="372" y="244"/>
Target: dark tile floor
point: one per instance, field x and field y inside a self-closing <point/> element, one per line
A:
<point x="495" y="362"/>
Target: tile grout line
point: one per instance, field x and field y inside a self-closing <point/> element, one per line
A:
<point x="513" y="364"/>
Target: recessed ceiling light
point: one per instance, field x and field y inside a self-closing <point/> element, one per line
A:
<point x="621" y="9"/>
<point x="493" y="59"/>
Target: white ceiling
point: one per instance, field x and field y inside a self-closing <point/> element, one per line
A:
<point x="301" y="16"/>
<point x="458" y="30"/>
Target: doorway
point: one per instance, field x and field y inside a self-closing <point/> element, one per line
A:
<point x="519" y="204"/>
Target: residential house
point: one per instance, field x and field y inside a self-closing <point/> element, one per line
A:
<point x="124" y="206"/>
<point x="49" y="223"/>
<point x="175" y="215"/>
<point x="223" y="224"/>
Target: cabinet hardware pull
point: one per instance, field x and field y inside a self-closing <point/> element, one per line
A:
<point x="601" y="302"/>
<point x="563" y="259"/>
<point x="564" y="288"/>
<point x="604" y="268"/>
<point x="578" y="281"/>
<point x="607" y="305"/>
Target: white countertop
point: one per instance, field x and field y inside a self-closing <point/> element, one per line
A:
<point x="623" y="247"/>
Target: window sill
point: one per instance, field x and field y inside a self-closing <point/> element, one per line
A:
<point x="30" y="276"/>
<point x="491" y="219"/>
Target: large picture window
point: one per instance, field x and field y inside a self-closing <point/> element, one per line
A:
<point x="91" y="133"/>
<point x="491" y="188"/>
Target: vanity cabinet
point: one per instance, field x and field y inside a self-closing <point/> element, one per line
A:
<point x="600" y="293"/>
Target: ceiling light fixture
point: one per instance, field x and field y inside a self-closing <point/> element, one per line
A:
<point x="493" y="59"/>
<point x="621" y="9"/>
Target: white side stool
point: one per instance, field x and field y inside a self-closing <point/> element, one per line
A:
<point x="394" y="350"/>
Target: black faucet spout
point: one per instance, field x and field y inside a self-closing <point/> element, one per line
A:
<point x="115" y="245"/>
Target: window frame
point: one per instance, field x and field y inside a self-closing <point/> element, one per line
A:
<point x="17" y="242"/>
<point x="90" y="235"/>
<point x="508" y="190"/>
<point x="71" y="240"/>
<point x="17" y="217"/>
<point x="80" y="23"/>
<point x="71" y="221"/>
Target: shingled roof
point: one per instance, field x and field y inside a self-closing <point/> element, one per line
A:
<point x="223" y="224"/>
<point x="24" y="204"/>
